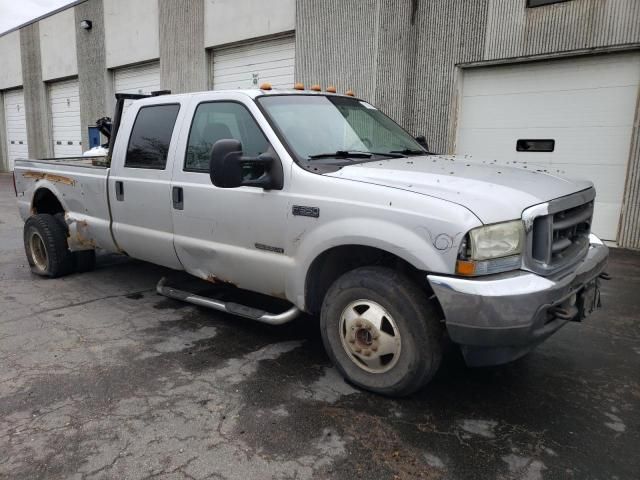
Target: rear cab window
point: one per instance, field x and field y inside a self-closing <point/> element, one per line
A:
<point x="151" y="136"/>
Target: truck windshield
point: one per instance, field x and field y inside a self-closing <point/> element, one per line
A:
<point x="317" y="127"/>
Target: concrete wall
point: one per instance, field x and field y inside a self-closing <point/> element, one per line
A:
<point x="93" y="75"/>
<point x="344" y="56"/>
<point x="130" y="24"/>
<point x="58" y="45"/>
<point x="35" y="94"/>
<point x="4" y="164"/>
<point x="514" y="31"/>
<point x="229" y="21"/>
<point x="11" y="71"/>
<point x="183" y="66"/>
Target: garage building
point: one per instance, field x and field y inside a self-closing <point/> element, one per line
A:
<point x="548" y="85"/>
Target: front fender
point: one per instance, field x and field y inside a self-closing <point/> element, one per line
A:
<point x="425" y="250"/>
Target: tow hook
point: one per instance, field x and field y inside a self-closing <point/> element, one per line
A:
<point x="605" y="276"/>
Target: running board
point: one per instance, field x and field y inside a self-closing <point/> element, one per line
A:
<point x="228" y="307"/>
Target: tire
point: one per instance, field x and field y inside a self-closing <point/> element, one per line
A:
<point x="45" y="243"/>
<point x="377" y="310"/>
<point x="83" y="260"/>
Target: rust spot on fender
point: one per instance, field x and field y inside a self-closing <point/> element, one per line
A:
<point x="50" y="176"/>
<point x="79" y="238"/>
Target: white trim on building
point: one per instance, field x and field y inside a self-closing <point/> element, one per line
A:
<point x="16" y="126"/>
<point x="64" y="108"/>
<point x="248" y="65"/>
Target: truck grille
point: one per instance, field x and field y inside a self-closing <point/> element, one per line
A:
<point x="560" y="238"/>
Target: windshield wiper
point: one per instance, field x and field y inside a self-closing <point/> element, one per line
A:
<point x="354" y="154"/>
<point x="410" y="151"/>
<point x="341" y="154"/>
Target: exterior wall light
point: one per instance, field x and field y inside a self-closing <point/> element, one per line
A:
<point x="86" y="24"/>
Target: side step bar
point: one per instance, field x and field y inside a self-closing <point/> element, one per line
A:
<point x="228" y="307"/>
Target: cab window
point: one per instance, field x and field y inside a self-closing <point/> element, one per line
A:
<point x="215" y="121"/>
<point x="151" y="137"/>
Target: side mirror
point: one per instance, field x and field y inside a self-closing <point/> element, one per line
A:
<point x="423" y="142"/>
<point x="229" y="169"/>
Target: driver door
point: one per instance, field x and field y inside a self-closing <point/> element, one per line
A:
<point x="227" y="234"/>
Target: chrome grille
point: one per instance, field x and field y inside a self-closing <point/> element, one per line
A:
<point x="560" y="237"/>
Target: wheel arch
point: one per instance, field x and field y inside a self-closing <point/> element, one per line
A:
<point x="335" y="261"/>
<point x="46" y="199"/>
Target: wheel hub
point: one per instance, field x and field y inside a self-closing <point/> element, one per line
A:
<point x="370" y="336"/>
<point x="38" y="251"/>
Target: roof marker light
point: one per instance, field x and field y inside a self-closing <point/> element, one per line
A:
<point x="316" y="88"/>
<point x="331" y="89"/>
<point x="298" y="86"/>
<point x="350" y="93"/>
<point x="265" y="86"/>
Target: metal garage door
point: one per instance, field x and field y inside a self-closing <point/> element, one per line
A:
<point x="247" y="66"/>
<point x="586" y="104"/>
<point x="16" y="126"/>
<point x="64" y="108"/>
<point x="142" y="79"/>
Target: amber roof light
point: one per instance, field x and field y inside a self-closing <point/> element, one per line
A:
<point x="350" y="93"/>
<point x="331" y="89"/>
<point x="316" y="88"/>
<point x="265" y="86"/>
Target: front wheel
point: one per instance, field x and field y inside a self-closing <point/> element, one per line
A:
<point x="382" y="331"/>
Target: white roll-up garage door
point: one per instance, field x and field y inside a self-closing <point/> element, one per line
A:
<point x="585" y="104"/>
<point x="142" y="79"/>
<point x="249" y="65"/>
<point x="64" y="107"/>
<point x="16" y="126"/>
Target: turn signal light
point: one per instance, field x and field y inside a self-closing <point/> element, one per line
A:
<point x="465" y="267"/>
<point x="316" y="88"/>
<point x="350" y="93"/>
<point x="265" y="86"/>
<point x="331" y="89"/>
<point x="298" y="86"/>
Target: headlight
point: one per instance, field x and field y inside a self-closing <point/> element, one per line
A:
<point x="491" y="249"/>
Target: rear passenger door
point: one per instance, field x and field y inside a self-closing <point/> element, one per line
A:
<point x="140" y="185"/>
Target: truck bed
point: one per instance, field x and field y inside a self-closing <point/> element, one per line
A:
<point x="80" y="185"/>
<point x="91" y="162"/>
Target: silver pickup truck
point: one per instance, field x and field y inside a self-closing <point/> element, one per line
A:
<point x="323" y="201"/>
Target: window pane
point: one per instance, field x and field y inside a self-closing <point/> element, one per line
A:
<point x="220" y="121"/>
<point x="151" y="136"/>
<point x="535" y="145"/>
<point x="539" y="3"/>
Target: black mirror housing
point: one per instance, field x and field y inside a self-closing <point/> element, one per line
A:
<point x="228" y="167"/>
<point x="422" y="140"/>
<point x="225" y="169"/>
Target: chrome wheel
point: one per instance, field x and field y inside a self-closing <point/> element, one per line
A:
<point x="38" y="251"/>
<point x="370" y="336"/>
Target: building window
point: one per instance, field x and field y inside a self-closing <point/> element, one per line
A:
<point x="536" y="145"/>
<point x="540" y="3"/>
<point x="151" y="136"/>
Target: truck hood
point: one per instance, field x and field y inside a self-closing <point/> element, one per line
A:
<point x="494" y="193"/>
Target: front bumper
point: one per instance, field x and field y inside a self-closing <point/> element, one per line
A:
<point x="501" y="317"/>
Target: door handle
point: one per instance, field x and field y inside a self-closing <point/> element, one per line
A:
<point x="177" y="196"/>
<point x="119" y="191"/>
